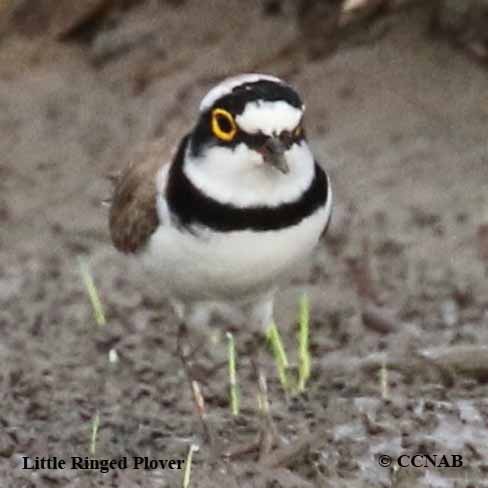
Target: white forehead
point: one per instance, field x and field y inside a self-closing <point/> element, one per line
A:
<point x="226" y="87"/>
<point x="269" y="117"/>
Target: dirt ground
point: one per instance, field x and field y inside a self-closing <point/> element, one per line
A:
<point x="400" y="124"/>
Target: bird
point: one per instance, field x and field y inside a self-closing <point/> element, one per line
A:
<point x="221" y="224"/>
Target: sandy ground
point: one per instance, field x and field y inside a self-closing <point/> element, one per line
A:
<point x="400" y="124"/>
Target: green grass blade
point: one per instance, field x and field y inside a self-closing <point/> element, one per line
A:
<point x="279" y="354"/>
<point x="94" y="434"/>
<point x="189" y="459"/>
<point x="383" y="374"/>
<point x="233" y="386"/>
<point x="304" y="360"/>
<point x="92" y="292"/>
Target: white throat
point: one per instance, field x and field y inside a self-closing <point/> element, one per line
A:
<point x="240" y="177"/>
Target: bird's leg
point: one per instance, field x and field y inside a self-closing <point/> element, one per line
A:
<point x="185" y="350"/>
<point x="268" y="435"/>
<point x="182" y="332"/>
<point x="182" y="348"/>
<point x="194" y="384"/>
<point x="262" y="314"/>
<point x="257" y="350"/>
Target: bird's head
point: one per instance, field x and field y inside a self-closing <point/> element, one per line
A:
<point x="249" y="146"/>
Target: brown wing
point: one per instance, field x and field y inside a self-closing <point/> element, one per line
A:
<point x="133" y="213"/>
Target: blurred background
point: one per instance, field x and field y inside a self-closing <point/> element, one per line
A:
<point x="397" y="112"/>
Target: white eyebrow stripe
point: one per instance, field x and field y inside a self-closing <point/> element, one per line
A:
<point x="227" y="85"/>
<point x="269" y="117"/>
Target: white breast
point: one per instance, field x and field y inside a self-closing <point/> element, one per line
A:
<point x="229" y="265"/>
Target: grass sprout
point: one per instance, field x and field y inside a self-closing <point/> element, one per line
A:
<point x="383" y="374"/>
<point x="304" y="359"/>
<point x="279" y="354"/>
<point x="92" y="291"/>
<point x="189" y="459"/>
<point x="233" y="386"/>
<point x="94" y="433"/>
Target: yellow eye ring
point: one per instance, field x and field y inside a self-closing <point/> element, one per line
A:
<point x="223" y="124"/>
<point x="298" y="130"/>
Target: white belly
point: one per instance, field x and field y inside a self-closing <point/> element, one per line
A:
<point x="230" y="265"/>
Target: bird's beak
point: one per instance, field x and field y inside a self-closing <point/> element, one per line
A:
<point x="273" y="152"/>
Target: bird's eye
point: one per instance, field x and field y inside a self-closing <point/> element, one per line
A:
<point x="298" y="131"/>
<point x="223" y="124"/>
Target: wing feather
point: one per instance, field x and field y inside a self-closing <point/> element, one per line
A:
<point x="133" y="212"/>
